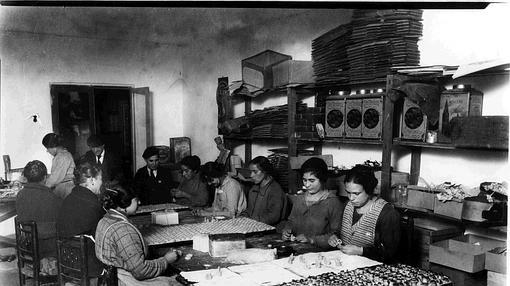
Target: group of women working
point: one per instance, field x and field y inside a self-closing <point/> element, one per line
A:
<point x="366" y="225"/>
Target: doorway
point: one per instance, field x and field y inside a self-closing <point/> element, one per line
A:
<point x="111" y="112"/>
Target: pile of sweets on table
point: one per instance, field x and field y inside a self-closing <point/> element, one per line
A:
<point x="390" y="275"/>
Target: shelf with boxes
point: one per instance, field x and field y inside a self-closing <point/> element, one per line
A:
<point x="269" y="74"/>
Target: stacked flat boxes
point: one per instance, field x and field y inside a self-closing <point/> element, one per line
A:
<point x="354" y="116"/>
<point x="306" y="122"/>
<point x="458" y="102"/>
<point x="413" y="124"/>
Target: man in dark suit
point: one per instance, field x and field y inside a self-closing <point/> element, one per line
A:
<point x="110" y="163"/>
<point x="153" y="183"/>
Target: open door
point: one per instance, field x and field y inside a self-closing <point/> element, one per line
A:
<point x="141" y="107"/>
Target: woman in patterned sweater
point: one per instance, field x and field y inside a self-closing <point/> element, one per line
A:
<point x="370" y="225"/>
<point x="120" y="244"/>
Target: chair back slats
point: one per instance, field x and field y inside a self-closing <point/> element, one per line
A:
<point x="27" y="249"/>
<point x="72" y="260"/>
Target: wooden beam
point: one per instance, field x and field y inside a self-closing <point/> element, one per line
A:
<point x="387" y="138"/>
<point x="292" y="143"/>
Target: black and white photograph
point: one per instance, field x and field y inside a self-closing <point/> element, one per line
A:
<point x="254" y="143"/>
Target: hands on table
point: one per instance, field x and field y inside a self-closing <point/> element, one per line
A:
<point x="350" y="249"/>
<point x="172" y="255"/>
<point x="287" y="235"/>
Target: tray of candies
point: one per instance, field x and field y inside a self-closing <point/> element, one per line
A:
<point x="391" y="275"/>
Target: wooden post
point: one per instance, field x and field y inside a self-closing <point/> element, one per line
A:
<point x="292" y="147"/>
<point x="415" y="165"/>
<point x="387" y="139"/>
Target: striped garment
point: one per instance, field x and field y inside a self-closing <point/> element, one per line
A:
<point x="362" y="233"/>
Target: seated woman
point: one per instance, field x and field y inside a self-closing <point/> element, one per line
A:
<point x="370" y="225"/>
<point x="191" y="191"/>
<point x="60" y="179"/>
<point x="229" y="198"/>
<point x="38" y="203"/>
<point x="266" y="200"/>
<point x="120" y="244"/>
<point x="81" y="211"/>
<point x="317" y="213"/>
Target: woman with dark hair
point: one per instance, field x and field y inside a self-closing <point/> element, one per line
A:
<point x="191" y="191"/>
<point x="120" y="244"/>
<point x="266" y="200"/>
<point x="317" y="213"/>
<point x="62" y="166"/>
<point x="229" y="198"/>
<point x="36" y="202"/>
<point x="82" y="210"/>
<point x="370" y="225"/>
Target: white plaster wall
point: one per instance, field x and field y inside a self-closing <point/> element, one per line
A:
<point x="179" y="53"/>
<point x="40" y="46"/>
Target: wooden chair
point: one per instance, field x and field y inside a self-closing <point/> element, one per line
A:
<point x="9" y="172"/>
<point x="72" y="260"/>
<point x="27" y="248"/>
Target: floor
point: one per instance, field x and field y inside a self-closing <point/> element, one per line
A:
<point x="8" y="270"/>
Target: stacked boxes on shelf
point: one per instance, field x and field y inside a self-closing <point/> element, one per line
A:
<point x="306" y="121"/>
<point x="257" y="70"/>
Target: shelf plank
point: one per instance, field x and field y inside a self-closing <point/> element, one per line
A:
<point x="342" y="140"/>
<point x="447" y="146"/>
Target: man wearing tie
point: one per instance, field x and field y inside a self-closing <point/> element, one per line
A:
<point x="109" y="162"/>
<point x="153" y="183"/>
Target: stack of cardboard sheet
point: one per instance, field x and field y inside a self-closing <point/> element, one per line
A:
<point x="329" y="55"/>
<point x="368" y="47"/>
<point x="382" y="39"/>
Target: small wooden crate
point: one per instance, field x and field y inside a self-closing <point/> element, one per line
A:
<point x="420" y="197"/>
<point x="451" y="208"/>
<point x="466" y="253"/>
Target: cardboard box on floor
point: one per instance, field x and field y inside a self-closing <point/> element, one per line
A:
<point x="466" y="253"/>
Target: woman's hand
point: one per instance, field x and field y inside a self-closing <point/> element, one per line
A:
<point x="172" y="255"/>
<point x="196" y="212"/>
<point x="286" y="234"/>
<point x="351" y="249"/>
<point x="334" y="241"/>
<point x="303" y="239"/>
<point x="178" y="193"/>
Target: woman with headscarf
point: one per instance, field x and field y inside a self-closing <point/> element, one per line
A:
<point x="60" y="179"/>
<point x="266" y="200"/>
<point x="191" y="191"/>
<point x="370" y="225"/>
<point x="317" y="213"/>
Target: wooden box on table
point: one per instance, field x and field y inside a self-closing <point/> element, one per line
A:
<point x="466" y="253"/>
<point x="428" y="231"/>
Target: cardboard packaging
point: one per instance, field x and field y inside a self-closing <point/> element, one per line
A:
<point x="413" y="124"/>
<point x="201" y="242"/>
<point x="496" y="279"/>
<point x="420" y="197"/>
<point x="458" y="102"/>
<point x="353" y="117"/>
<point x="372" y="118"/>
<point x="257" y="70"/>
<point x="166" y="217"/>
<point x="292" y="72"/>
<point x="480" y="132"/>
<point x="335" y="117"/>
<point x="466" y="253"/>
<point x="451" y="208"/>
<point x="495" y="260"/>
<point x="221" y="244"/>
